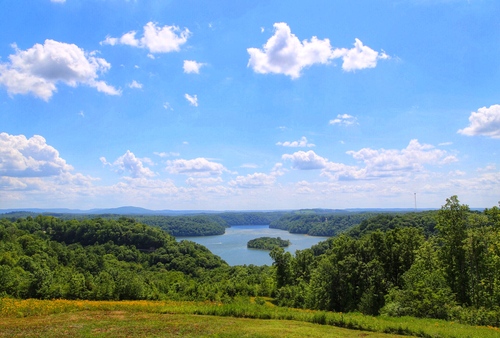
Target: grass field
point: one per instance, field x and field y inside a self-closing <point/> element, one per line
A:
<point x="63" y="318"/>
<point x="140" y="324"/>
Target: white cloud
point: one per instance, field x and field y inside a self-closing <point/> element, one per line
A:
<point x="358" y="57"/>
<point x="198" y="166"/>
<point x="38" y="69"/>
<point x="193" y="100"/>
<point x="301" y="143"/>
<point x="278" y="170"/>
<point x="192" y="66"/>
<point x="484" y="122"/>
<point x="393" y="162"/>
<point x="164" y="154"/>
<point x="58" y="1"/>
<point x="249" y="165"/>
<point x="135" y="85"/>
<point x="377" y="163"/>
<point x="157" y="39"/>
<point x="33" y="157"/>
<point x="344" y="119"/>
<point x="129" y="163"/>
<point x="285" y="54"/>
<point x="489" y="167"/>
<point x="167" y="106"/>
<point x="253" y="180"/>
<point x="198" y="182"/>
<point x="306" y="160"/>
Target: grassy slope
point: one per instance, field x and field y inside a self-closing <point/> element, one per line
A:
<point x="140" y="324"/>
<point x="58" y="318"/>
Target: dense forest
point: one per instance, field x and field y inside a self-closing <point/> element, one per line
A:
<point x="178" y="226"/>
<point x="268" y="243"/>
<point x="443" y="264"/>
<point x="46" y="257"/>
<point x="318" y="224"/>
<point x="185" y="226"/>
<point x="436" y="264"/>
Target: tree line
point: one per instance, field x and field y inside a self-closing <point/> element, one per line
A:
<point x="318" y="224"/>
<point x="438" y="264"/>
<point x="402" y="265"/>
<point x="105" y="259"/>
<point x="268" y="243"/>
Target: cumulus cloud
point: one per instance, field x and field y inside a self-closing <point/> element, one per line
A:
<point x="484" y="122"/>
<point x="253" y="180"/>
<point x="193" y="100"/>
<point x="377" y="163"/>
<point x="135" y="85"/>
<point x="156" y="39"/>
<point x="344" y="119"/>
<point x="29" y="157"/>
<point x="197" y="166"/>
<point x="306" y="160"/>
<point x="131" y="164"/>
<point x="192" y="66"/>
<point x="358" y="57"/>
<point x="390" y="162"/>
<point x="38" y="69"/>
<point x="294" y="144"/>
<point x="285" y="54"/>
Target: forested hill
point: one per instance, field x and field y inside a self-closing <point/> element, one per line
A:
<point x="179" y="226"/>
<point x="202" y="225"/>
<point x="250" y="218"/>
<point x="46" y="257"/>
<point x="443" y="264"/>
<point x="319" y="224"/>
<point x="425" y="220"/>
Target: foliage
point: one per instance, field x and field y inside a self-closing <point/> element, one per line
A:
<point x="402" y="265"/>
<point x="250" y="218"/>
<point x="443" y="264"/>
<point x="105" y="259"/>
<point x="425" y="220"/>
<point x="267" y="243"/>
<point x="184" y="226"/>
<point x="318" y="224"/>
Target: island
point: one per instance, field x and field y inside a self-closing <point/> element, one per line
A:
<point x="267" y="243"/>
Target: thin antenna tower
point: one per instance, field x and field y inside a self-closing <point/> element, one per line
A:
<point x="415" y="195"/>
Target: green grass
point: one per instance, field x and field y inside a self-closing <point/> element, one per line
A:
<point x="140" y="324"/>
<point x="54" y="318"/>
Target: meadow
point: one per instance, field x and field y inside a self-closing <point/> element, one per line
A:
<point x="245" y="317"/>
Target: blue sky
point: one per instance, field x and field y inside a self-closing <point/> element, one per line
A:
<point x="248" y="105"/>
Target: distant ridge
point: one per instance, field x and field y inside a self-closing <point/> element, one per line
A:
<point x="131" y="210"/>
<point x="127" y="210"/>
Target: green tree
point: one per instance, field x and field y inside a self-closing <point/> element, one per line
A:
<point x="452" y="226"/>
<point x="425" y="291"/>
<point x="282" y="262"/>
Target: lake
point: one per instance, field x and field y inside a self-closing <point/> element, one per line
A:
<point x="232" y="246"/>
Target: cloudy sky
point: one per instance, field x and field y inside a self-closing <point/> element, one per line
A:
<point x="245" y="105"/>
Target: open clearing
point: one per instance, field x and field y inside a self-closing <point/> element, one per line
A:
<point x="139" y="324"/>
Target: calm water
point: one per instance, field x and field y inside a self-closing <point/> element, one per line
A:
<point x="232" y="246"/>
